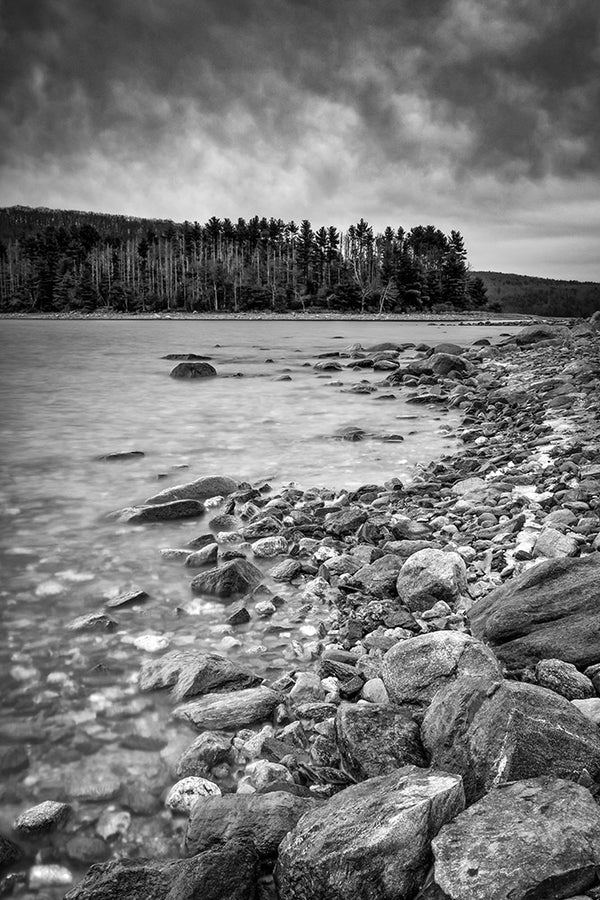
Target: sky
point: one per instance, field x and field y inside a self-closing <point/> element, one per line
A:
<point x="476" y="115"/>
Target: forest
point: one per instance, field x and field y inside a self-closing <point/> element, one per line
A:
<point x="58" y="260"/>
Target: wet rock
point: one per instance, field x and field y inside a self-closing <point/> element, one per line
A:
<point x="563" y="678"/>
<point x="431" y="575"/>
<point x="12" y="760"/>
<point x="550" y="611"/>
<point x="536" y="837"/>
<point x="416" y="669"/>
<point x="263" y="527"/>
<point x="286" y="570"/>
<point x="97" y="621"/>
<point x="238" y="614"/>
<point x="229" y="711"/>
<point x="44" y="817"/>
<point x="379" y="578"/>
<point x="136" y="595"/>
<point x="121" y="455"/>
<point x="190" y="673"/>
<point x="376" y="740"/>
<point x="9" y="853"/>
<point x="262" y="819"/>
<point x="346" y="521"/>
<point x="113" y="823"/>
<point x="161" y="512"/>
<point x="208" y="750"/>
<point x="193" y="370"/>
<point x="372" y="836"/>
<point x="266" y="548"/>
<point x="200" y="489"/>
<point x="206" y="556"/>
<point x="235" y="577"/>
<point x="187" y="357"/>
<point x="493" y="732"/>
<point x="350" y="433"/>
<point x="229" y="872"/>
<point x="184" y="795"/>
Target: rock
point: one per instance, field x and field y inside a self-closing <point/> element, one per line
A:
<point x="554" y="545"/>
<point x="469" y="486"/>
<point x="444" y="363"/>
<point x="113" y="823"/>
<point x="262" y="819"/>
<point x="589" y="708"/>
<point x="136" y="595"/>
<point x="200" y="489"/>
<point x="238" y="614"/>
<point x="375" y="691"/>
<point x="187" y="357"/>
<point x="208" y="750"/>
<point x="493" y="732"/>
<point x="49" y="876"/>
<point x="379" y="578"/>
<point x="416" y="669"/>
<point x="190" y="673"/>
<point x="372" y="840"/>
<point x="431" y="575"/>
<point x="264" y="527"/>
<point x="346" y="521"/>
<point x="533" y="334"/>
<point x="87" y="849"/>
<point x="12" y="760"/>
<point x="41" y="818"/>
<point x="307" y="687"/>
<point x="97" y="621"/>
<point x="447" y="347"/>
<point x="161" y="512"/>
<point x="236" y="577"/>
<point x="184" y="795"/>
<point x="286" y="570"/>
<point x="121" y="455"/>
<point x="268" y="547"/>
<point x="206" y="556"/>
<point x="261" y="773"/>
<point x="229" y="872"/>
<point x="376" y="740"/>
<point x="193" y="370"/>
<point x="229" y="711"/>
<point x="9" y="853"/>
<point x="563" y="678"/>
<point x="535" y="838"/>
<point x="550" y="611"/>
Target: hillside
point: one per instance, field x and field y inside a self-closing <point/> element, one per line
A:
<point x="540" y="296"/>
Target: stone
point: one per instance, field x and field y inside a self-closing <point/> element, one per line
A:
<point x="554" y="545"/>
<point x="206" y="556"/>
<point x="184" y="795"/>
<point x="161" y="512"/>
<point x="376" y="740"/>
<point x="200" y="489"/>
<point x="370" y="841"/>
<point x="229" y="872"/>
<point x="97" y="621"/>
<point x="375" y="691"/>
<point x="431" y="575"/>
<point x="190" y="673"/>
<point x="193" y="370"/>
<point x="113" y="823"/>
<point x="268" y="547"/>
<point x="535" y="838"/>
<point x="262" y="819"/>
<point x="533" y="334"/>
<point x="266" y="526"/>
<point x="307" y="687"/>
<point x="49" y="876"/>
<point x="563" y="678"/>
<point x="589" y="708"/>
<point x="120" y="455"/>
<point x="229" y="711"/>
<point x="235" y="577"/>
<point x="493" y="732"/>
<point x="346" y="521"/>
<point x="209" y="749"/>
<point x="87" y="849"/>
<point x="549" y="611"/>
<point x="261" y="773"/>
<point x="9" y="853"/>
<point x="238" y="614"/>
<point x="44" y="817"/>
<point x="414" y="670"/>
<point x="136" y="595"/>
<point x="379" y="578"/>
<point x="286" y="570"/>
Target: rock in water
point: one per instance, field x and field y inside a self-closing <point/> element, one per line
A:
<point x="190" y="673"/>
<point x="41" y="818"/>
<point x="414" y="670"/>
<point x="376" y="740"/>
<point x="200" y="489"/>
<point x="193" y="370"/>
<point x="537" y="838"/>
<point x="236" y="577"/>
<point x="492" y="732"/>
<point x="229" y="711"/>
<point x="161" y="512"/>
<point x="550" y="611"/>
<point x="431" y="575"/>
<point x="265" y="819"/>
<point x="372" y="840"/>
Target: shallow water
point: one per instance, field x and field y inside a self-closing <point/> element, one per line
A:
<point x="73" y="390"/>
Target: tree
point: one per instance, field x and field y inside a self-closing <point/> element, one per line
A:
<point x="477" y="292"/>
<point x="454" y="272"/>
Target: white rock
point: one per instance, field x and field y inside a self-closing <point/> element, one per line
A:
<point x="308" y="687"/>
<point x="112" y="823"/>
<point x="268" y="547"/>
<point x="374" y="691"/>
<point x="590" y="708"/>
<point x="186" y="793"/>
<point x="49" y="876"/>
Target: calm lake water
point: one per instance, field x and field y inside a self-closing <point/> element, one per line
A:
<point x="73" y="390"/>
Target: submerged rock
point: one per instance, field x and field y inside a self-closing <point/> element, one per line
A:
<point x="190" y="673"/>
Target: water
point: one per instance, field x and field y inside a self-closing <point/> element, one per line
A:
<point x="73" y="390"/>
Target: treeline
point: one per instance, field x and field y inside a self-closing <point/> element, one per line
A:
<point x="540" y="296"/>
<point x="54" y="260"/>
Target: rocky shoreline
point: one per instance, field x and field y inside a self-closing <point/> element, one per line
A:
<point x="441" y="738"/>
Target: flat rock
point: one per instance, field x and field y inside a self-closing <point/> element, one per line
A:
<point x="493" y="732"/>
<point x="376" y="740"/>
<point x="205" y="556"/>
<point x="431" y="575"/>
<point x="193" y="370"/>
<point x="550" y="611"/>
<point x="346" y="521"/>
<point x="190" y="673"/>
<point x="229" y="711"/>
<point x="370" y="841"/>
<point x="97" y="621"/>
<point x="533" y="334"/>
<point x="200" y="489"/>
<point x="235" y="577"/>
<point x="535" y="838"/>
<point x="120" y="455"/>
<point x="379" y="578"/>
<point x="414" y="670"/>
<point x="161" y="512"/>
<point x="286" y="570"/>
<point x="135" y="595"/>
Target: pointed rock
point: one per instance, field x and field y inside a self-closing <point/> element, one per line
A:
<point x="236" y="577"/>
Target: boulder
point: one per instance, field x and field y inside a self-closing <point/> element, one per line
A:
<point x="235" y="577"/>
<point x="563" y="678"/>
<point x="161" y="512"/>
<point x="262" y="820"/>
<point x="414" y="670"/>
<point x="190" y="673"/>
<point x="533" y="334"/>
<point x="229" y="711"/>
<point x="228" y="872"/>
<point x="379" y="578"/>
<point x="535" y="838"/>
<point x="200" y="489"/>
<point x="548" y="612"/>
<point x="444" y="363"/>
<point x="431" y="575"/>
<point x="193" y="370"/>
<point x="553" y="544"/>
<point x="286" y="570"/>
<point x="370" y="841"/>
<point x="376" y="740"/>
<point x="491" y="732"/>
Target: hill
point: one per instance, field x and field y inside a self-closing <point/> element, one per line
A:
<point x="540" y="296"/>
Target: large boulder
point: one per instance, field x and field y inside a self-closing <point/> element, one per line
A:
<point x="371" y="841"/>
<point x="414" y="670"/>
<point x="260" y="819"/>
<point x="235" y="577"/>
<point x="375" y="740"/>
<point x="431" y="575"/>
<point x="551" y="611"/>
<point x="229" y="872"/>
<point x="193" y="370"/>
<point x="491" y="732"/>
<point x="537" y="838"/>
<point x="533" y="334"/>
<point x="190" y="673"/>
<point x="229" y="711"/>
<point x="200" y="489"/>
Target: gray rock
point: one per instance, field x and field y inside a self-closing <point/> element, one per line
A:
<point x="371" y="841"/>
<point x="229" y="711"/>
<point x="550" y="611"/>
<point x="266" y="548"/>
<point x="97" y="621"/>
<point x="538" y="837"/>
<point x="238" y="614"/>
<point x="189" y="791"/>
<point x="41" y="818"/>
<point x="235" y="577"/>
<point x="193" y="370"/>
<point x="121" y="455"/>
<point x="533" y="334"/>
<point x="346" y="521"/>
<point x="49" y="876"/>
<point x="135" y="595"/>
<point x="376" y="740"/>
<point x="9" y="853"/>
<point x="208" y="750"/>
<point x="563" y="678"/>
<point x="431" y="575"/>
<point x="263" y="527"/>
<point x="261" y="819"/>
<point x="286" y="570"/>
<point x="379" y="578"/>
<point x="161" y="512"/>
<point x="416" y="669"/>
<point x="590" y="708"/>
<point x="206" y="556"/>
<point x="493" y="732"/>
<point x="200" y="489"/>
<point x="554" y="545"/>
<point x="190" y="673"/>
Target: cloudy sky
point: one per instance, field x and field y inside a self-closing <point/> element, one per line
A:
<point x="480" y="115"/>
